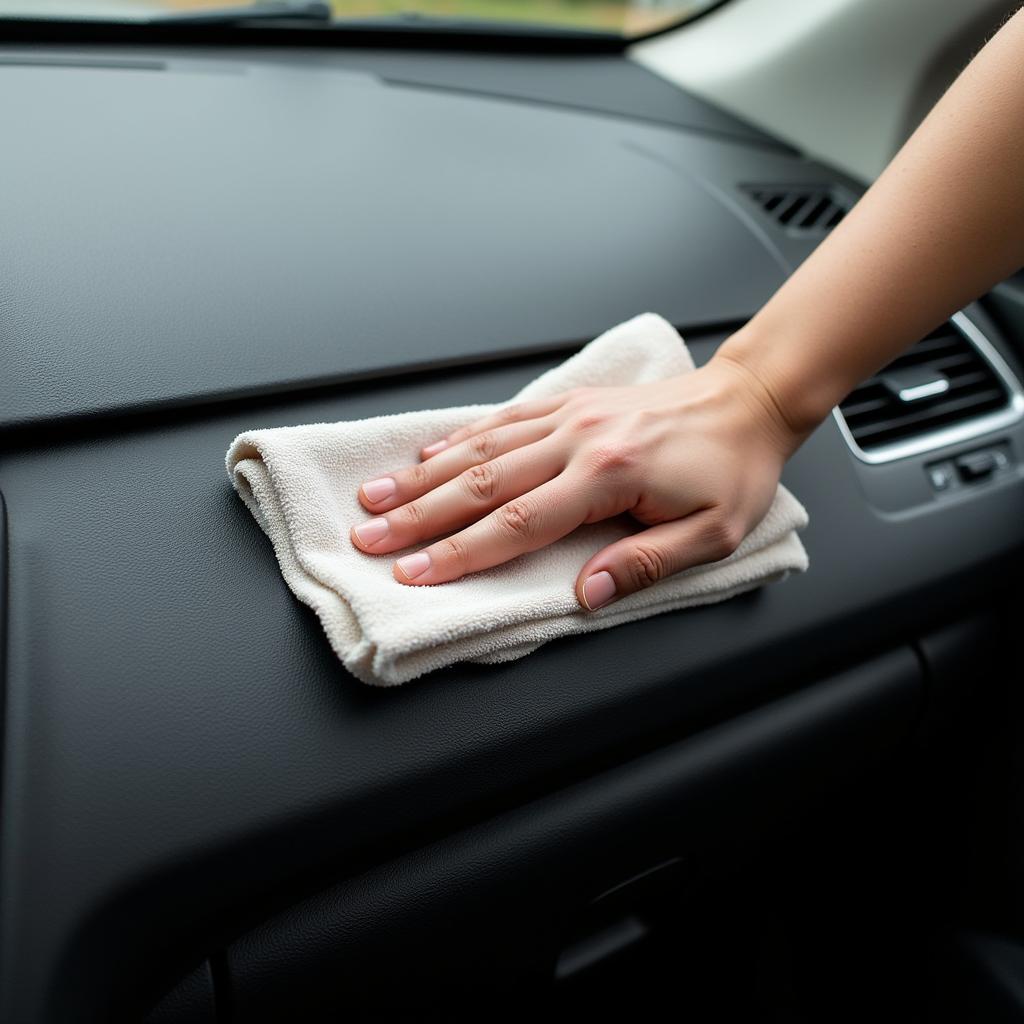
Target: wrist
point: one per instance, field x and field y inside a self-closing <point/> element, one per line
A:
<point x="793" y="398"/>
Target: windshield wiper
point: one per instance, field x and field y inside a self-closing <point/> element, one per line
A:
<point x="312" y="11"/>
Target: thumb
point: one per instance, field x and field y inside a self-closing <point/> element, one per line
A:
<point x="637" y="562"/>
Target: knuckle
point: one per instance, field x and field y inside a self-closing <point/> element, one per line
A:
<point x="453" y="552"/>
<point x="418" y="476"/>
<point x="613" y="457"/>
<point x="510" y="413"/>
<point x="484" y="446"/>
<point x="641" y="419"/>
<point x="413" y="515"/>
<point x="518" y="520"/>
<point x="585" y="422"/>
<point x="724" y="536"/>
<point x="646" y="566"/>
<point x="481" y="482"/>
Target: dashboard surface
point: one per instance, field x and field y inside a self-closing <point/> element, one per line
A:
<point x="228" y="242"/>
<point x="230" y="228"/>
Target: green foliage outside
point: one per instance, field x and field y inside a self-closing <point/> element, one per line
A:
<point x="628" y="18"/>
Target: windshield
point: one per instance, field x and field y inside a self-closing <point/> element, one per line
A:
<point x="628" y="18"/>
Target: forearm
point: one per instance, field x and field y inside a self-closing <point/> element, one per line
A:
<point x="941" y="225"/>
<point x="696" y="459"/>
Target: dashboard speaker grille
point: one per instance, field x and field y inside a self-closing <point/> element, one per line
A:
<point x="944" y="380"/>
<point x="805" y="208"/>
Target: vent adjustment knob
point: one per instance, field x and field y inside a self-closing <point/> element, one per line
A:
<point x="915" y="383"/>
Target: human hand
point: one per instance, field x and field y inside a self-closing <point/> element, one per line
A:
<point x="695" y="458"/>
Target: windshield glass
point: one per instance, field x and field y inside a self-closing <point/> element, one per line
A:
<point x="629" y="18"/>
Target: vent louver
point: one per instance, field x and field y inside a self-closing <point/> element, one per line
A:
<point x="947" y="385"/>
<point x="814" y="209"/>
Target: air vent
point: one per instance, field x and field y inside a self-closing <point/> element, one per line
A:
<point x="951" y="386"/>
<point x="810" y="209"/>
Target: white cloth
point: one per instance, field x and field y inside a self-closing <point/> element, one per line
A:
<point x="301" y="482"/>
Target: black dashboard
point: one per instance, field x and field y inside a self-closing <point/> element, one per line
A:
<point x="196" y="797"/>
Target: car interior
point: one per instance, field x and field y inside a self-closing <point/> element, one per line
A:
<point x="803" y="804"/>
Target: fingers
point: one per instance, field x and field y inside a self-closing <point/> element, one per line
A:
<point x="636" y="562"/>
<point x="524" y="524"/>
<point x="470" y="495"/>
<point x="404" y="485"/>
<point x="515" y="413"/>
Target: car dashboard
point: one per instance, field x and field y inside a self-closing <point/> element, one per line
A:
<point x="203" y="816"/>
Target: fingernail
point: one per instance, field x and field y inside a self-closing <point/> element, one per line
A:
<point x="598" y="590"/>
<point x="372" y="530"/>
<point x="378" y="490"/>
<point x="414" y="565"/>
<point x="433" y="449"/>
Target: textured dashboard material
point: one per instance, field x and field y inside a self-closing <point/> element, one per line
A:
<point x="534" y="867"/>
<point x="179" y="736"/>
<point x="604" y="84"/>
<point x="211" y="228"/>
<point x="181" y="749"/>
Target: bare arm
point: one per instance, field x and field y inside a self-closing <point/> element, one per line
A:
<point x="697" y="458"/>
<point x="943" y="223"/>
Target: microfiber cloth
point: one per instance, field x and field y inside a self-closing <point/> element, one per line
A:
<point x="301" y="482"/>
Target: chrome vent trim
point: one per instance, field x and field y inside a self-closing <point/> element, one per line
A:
<point x="957" y="433"/>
